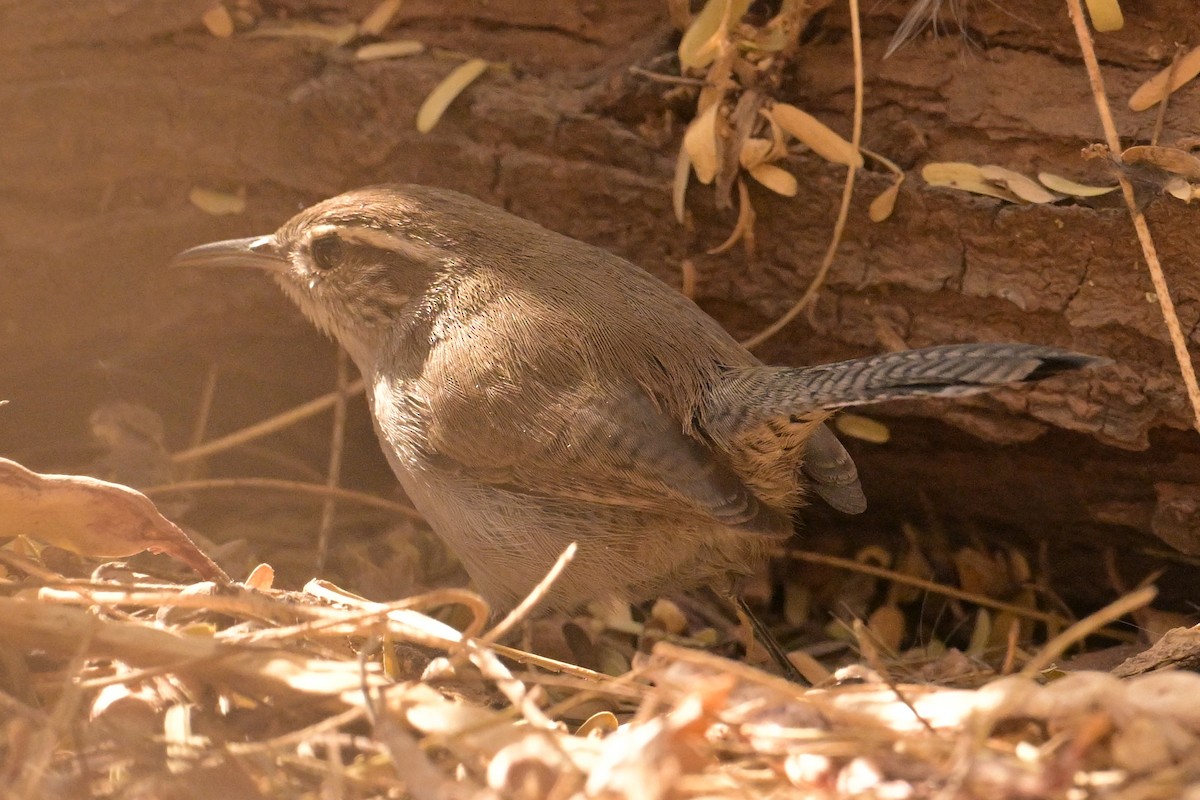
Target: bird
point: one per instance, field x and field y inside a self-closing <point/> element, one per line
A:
<point x="531" y="391"/>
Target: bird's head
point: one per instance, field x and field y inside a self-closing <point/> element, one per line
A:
<point x="356" y="263"/>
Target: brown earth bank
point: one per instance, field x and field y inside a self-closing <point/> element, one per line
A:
<point x="114" y="111"/>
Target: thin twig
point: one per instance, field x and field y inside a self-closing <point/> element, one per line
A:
<point x="839" y="227"/>
<point x="267" y="426"/>
<point x="930" y="586"/>
<point x="514" y="617"/>
<point x="1090" y="624"/>
<point x="203" y="413"/>
<point x="287" y="486"/>
<point x="1149" y="252"/>
<point x="1161" y="117"/>
<point x="664" y="78"/>
<point x="337" y="446"/>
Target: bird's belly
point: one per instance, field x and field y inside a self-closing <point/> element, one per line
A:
<point x="508" y="541"/>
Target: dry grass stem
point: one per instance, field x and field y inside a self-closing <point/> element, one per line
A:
<point x="267" y="426"/>
<point x="337" y="447"/>
<point x="1087" y="626"/>
<point x="282" y="485"/>
<point x="1161" y="290"/>
<point x="839" y="227"/>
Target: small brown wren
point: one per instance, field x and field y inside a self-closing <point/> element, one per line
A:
<point x="530" y="391"/>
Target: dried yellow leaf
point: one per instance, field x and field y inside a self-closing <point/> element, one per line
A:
<point x="816" y="134"/>
<point x="697" y="48"/>
<point x="336" y="35"/>
<point x="91" y="517"/>
<point x="683" y="171"/>
<point x="218" y="204"/>
<point x="1169" y="159"/>
<point x="218" y="21"/>
<point x="882" y="206"/>
<point x="261" y="577"/>
<point x="776" y="179"/>
<point x="599" y="724"/>
<point x="978" y="573"/>
<point x="1057" y="183"/>
<point x="1154" y="90"/>
<point x="1023" y="187"/>
<point x="1181" y="190"/>
<point x="965" y="177"/>
<point x="864" y="428"/>
<point x="373" y="24"/>
<point x="444" y="93"/>
<point x="981" y="634"/>
<point x="700" y="142"/>
<point x="1106" y="15"/>
<point x="887" y="624"/>
<point x="394" y="49"/>
<point x="754" y="152"/>
<point x="744" y="227"/>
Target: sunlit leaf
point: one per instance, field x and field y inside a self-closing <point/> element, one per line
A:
<point x="700" y="142"/>
<point x="444" y="93"/>
<point x="1023" y="187"/>
<point x="696" y="48"/>
<point x="1106" y="15"/>
<point x="1062" y="185"/>
<point x="1154" y="90"/>
<point x="394" y="49"/>
<point x="816" y="134"/>
<point x="776" y="179"/>
<point x="374" y="23"/>
<point x="885" y="203"/>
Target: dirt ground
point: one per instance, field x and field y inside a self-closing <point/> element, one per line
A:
<point x="114" y="111"/>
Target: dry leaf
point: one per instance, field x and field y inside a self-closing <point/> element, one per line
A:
<point x="700" y="142"/>
<point x="1106" y="15"/>
<point x="218" y="21"/>
<point x="981" y="634"/>
<point x="394" y="49"/>
<point x="882" y="206"/>
<point x="816" y="134"/>
<point x="1154" y="90"/>
<point x="859" y="427"/>
<point x="978" y="573"/>
<point x="776" y="179"/>
<point x="91" y="517"/>
<point x="698" y="48"/>
<point x="1025" y="188"/>
<point x="963" y="176"/>
<point x="601" y="723"/>
<point x="683" y="171"/>
<point x="754" y="152"/>
<point x="373" y="24"/>
<point x="887" y="624"/>
<point x="1181" y="190"/>
<point x="444" y="93"/>
<point x="261" y="577"/>
<point x="336" y="35"/>
<point x="1169" y="159"/>
<point x="1062" y="185"/>
<point x="218" y="204"/>
<point x="744" y="227"/>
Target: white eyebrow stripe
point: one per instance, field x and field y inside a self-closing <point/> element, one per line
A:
<point x="381" y="239"/>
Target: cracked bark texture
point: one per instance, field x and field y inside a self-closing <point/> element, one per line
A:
<point x="113" y="110"/>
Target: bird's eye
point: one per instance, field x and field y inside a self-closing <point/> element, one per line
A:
<point x="327" y="252"/>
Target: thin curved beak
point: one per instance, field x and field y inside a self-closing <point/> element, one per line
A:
<point x="257" y="252"/>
